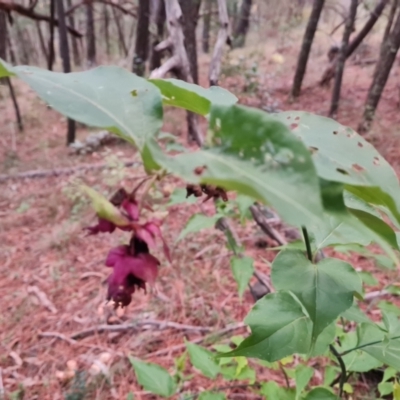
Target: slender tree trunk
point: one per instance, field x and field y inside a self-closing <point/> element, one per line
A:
<point x="306" y="47"/>
<point x="41" y="41"/>
<point x="341" y="60"/>
<point x="120" y="32"/>
<point x="74" y="40"/>
<point x="90" y="35"/>
<point x="159" y="20"/>
<point x="387" y="57"/>
<point x="375" y="14"/>
<point x="50" y="59"/>
<point x="392" y="13"/>
<point x="142" y="38"/>
<point x="13" y="57"/>
<point x="206" y="25"/>
<point x="3" y="55"/>
<point x="24" y="54"/>
<point x="106" y="19"/>
<point x="64" y="53"/>
<point x="222" y="40"/>
<point x="190" y="11"/>
<point x="243" y="24"/>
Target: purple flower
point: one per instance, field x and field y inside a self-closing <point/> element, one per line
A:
<point x="133" y="266"/>
<point x="102" y="226"/>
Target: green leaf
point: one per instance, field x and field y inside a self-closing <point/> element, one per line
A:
<point x="321" y="393"/>
<point x="203" y="360"/>
<point x="388" y="306"/>
<point x="211" y="396"/>
<point x="256" y="156"/>
<point x="153" y="378"/>
<point x="101" y="97"/>
<point x="357" y="360"/>
<point x="271" y="390"/>
<point x="325" y="289"/>
<point x="354" y="314"/>
<point x="278" y="328"/>
<point x="5" y="69"/>
<point x="368" y="278"/>
<point x="303" y="374"/>
<point x="242" y="268"/>
<point x="196" y="223"/>
<point x="383" y="347"/>
<point x="192" y="97"/>
<point x="104" y="209"/>
<point x="325" y="338"/>
<point x="341" y="155"/>
<point x="385" y="388"/>
<point x="178" y="196"/>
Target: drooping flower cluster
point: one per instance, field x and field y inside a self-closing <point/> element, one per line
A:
<point x="133" y="265"/>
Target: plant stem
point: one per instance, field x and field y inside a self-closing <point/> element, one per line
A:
<point x="365" y="345"/>
<point x="343" y="373"/>
<point x="307" y="242"/>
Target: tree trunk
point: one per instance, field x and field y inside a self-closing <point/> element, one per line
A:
<point x="387" y="57"/>
<point x="106" y="20"/>
<point x="243" y="24"/>
<point x="121" y="38"/>
<point x="375" y="14"/>
<point x="50" y="60"/>
<point x="206" y="25"/>
<point x="306" y="47"/>
<point x="190" y="11"/>
<point x="41" y="41"/>
<point x="159" y="20"/>
<point x="90" y="35"/>
<point x="223" y="38"/>
<point x="13" y="57"/>
<point x="341" y="60"/>
<point x="64" y="53"/>
<point x="3" y="55"/>
<point x="392" y="13"/>
<point x="24" y="54"/>
<point x="142" y="38"/>
<point x="74" y="40"/>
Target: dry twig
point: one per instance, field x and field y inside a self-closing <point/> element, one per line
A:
<point x="42" y="298"/>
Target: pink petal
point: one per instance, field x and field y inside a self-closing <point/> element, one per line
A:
<point x="116" y="254"/>
<point x="131" y="208"/>
<point x="102" y="226"/>
<point x="146" y="236"/>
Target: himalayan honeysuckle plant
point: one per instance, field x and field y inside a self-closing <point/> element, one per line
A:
<point x="318" y="175"/>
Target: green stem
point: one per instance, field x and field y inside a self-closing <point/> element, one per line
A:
<point x="307" y="242"/>
<point x="365" y="345"/>
<point x="343" y="373"/>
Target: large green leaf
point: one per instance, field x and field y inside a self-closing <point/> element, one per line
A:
<point x="257" y="156"/>
<point x="341" y="155"/>
<point x="355" y="314"/>
<point x="153" y="378"/>
<point x="192" y="97"/>
<point x="383" y="346"/>
<point x="106" y="97"/>
<point x="279" y="328"/>
<point x="203" y="360"/>
<point x="357" y="360"/>
<point x="320" y="393"/>
<point x="325" y="289"/>
<point x="302" y="376"/>
<point x="242" y="268"/>
<point x="272" y="391"/>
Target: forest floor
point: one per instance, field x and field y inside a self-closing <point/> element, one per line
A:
<point x="52" y="276"/>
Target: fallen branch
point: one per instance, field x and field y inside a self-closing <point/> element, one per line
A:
<point x="58" y="336"/>
<point x="59" y="171"/>
<point x="203" y="339"/>
<point x="42" y="298"/>
<point x="30" y="13"/>
<point x="134" y="325"/>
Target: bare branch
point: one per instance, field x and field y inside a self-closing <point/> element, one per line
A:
<point x="135" y="325"/>
<point x="30" y="13"/>
<point x="110" y="3"/>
